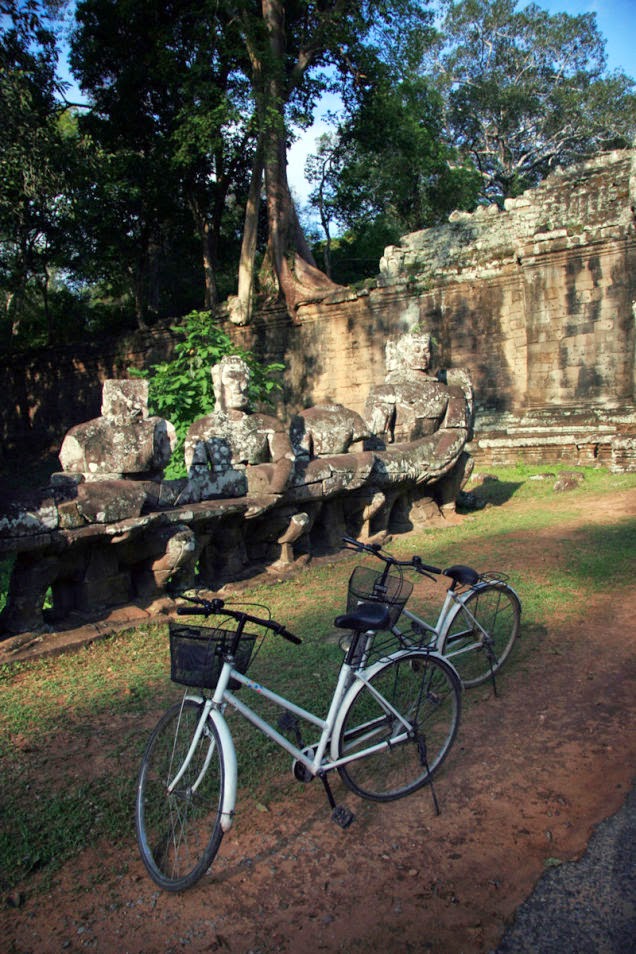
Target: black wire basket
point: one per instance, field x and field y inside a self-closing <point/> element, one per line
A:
<point x="196" y="654"/>
<point x="367" y="585"/>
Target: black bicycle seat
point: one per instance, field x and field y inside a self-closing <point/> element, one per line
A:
<point x="366" y="616"/>
<point x="462" y="574"/>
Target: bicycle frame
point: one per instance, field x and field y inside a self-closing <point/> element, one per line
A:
<point x="420" y="623"/>
<point x="313" y="758"/>
<point x="453" y="605"/>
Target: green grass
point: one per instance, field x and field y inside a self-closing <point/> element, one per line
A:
<point x="99" y="703"/>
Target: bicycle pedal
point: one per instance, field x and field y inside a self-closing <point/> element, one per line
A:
<point x="342" y="816"/>
<point x="287" y="722"/>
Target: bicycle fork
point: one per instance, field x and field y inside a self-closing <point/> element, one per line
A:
<point x="228" y="755"/>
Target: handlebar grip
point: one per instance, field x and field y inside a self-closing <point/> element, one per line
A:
<point x="364" y="547"/>
<point x="350" y="541"/>
<point x="201" y="607"/>
<point x="290" y="637"/>
<point x="419" y="564"/>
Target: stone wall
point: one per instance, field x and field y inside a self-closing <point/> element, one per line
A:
<point x="537" y="301"/>
<point x="46" y="393"/>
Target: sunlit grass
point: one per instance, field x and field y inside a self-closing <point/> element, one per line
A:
<point x="104" y="698"/>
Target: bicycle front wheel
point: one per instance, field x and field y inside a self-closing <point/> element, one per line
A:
<point x="410" y="707"/>
<point x="178" y="816"/>
<point x="482" y="633"/>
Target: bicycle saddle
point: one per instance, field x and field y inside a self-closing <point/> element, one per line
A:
<point x="366" y="616"/>
<point x="462" y="574"/>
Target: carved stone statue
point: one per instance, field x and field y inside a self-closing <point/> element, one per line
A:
<point x="411" y="404"/>
<point x="124" y="441"/>
<point x="232" y="452"/>
<point x="327" y="429"/>
<point x="110" y="529"/>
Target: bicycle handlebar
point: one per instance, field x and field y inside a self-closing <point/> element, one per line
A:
<point x="416" y="563"/>
<point x="205" y="607"/>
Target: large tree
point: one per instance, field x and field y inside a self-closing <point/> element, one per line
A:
<point x="168" y="111"/>
<point x="291" y="46"/>
<point x="392" y="162"/>
<point x="35" y="159"/>
<point x="527" y="91"/>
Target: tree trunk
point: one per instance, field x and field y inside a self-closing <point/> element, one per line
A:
<point x="139" y="291"/>
<point x="210" y="293"/>
<point x="241" y="304"/>
<point x="324" y="221"/>
<point x="207" y="238"/>
<point x="50" y="331"/>
<point x="292" y="261"/>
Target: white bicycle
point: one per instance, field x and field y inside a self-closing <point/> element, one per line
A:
<point x="478" y="622"/>
<point x="391" y="723"/>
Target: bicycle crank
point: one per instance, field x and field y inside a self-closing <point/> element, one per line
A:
<point x="300" y="770"/>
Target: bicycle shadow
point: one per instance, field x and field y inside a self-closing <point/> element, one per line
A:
<point x="225" y="870"/>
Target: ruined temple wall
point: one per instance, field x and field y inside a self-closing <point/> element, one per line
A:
<point x="580" y="326"/>
<point x="539" y="295"/>
<point x="46" y="393"/>
<point x="536" y="300"/>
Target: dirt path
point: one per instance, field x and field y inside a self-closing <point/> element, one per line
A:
<point x="532" y="773"/>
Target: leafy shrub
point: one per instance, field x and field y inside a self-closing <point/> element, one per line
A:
<point x="180" y="389"/>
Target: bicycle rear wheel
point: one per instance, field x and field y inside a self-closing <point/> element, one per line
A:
<point x="426" y="693"/>
<point x="179" y="832"/>
<point x="476" y="656"/>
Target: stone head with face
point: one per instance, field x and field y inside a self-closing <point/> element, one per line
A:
<point x="409" y="353"/>
<point x="230" y="380"/>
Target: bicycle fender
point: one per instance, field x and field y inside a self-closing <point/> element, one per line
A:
<point x="230" y="769"/>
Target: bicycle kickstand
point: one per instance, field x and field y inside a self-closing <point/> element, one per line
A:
<point x="340" y="814"/>
<point x="492" y="678"/>
<point x="421" y="744"/>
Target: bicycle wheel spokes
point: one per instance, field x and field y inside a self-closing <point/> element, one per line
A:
<point x="411" y="707"/>
<point x="483" y="632"/>
<point x="178" y="812"/>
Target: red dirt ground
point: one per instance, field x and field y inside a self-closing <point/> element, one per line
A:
<point x="533" y="771"/>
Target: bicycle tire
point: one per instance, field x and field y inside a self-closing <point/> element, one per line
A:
<point x="425" y="690"/>
<point x="497" y="608"/>
<point x="179" y="833"/>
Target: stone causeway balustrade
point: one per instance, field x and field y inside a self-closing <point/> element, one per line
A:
<point x="260" y="493"/>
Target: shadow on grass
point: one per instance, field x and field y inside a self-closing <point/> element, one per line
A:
<point x="603" y="556"/>
<point x="489" y="491"/>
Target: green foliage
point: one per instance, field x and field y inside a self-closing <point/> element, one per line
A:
<point x="169" y="119"/>
<point x="180" y="389"/>
<point x="526" y="90"/>
<point x="136" y="204"/>
<point x="389" y="167"/>
<point x="354" y="256"/>
<point x="395" y="164"/>
<point x="36" y="154"/>
<point x="6" y="567"/>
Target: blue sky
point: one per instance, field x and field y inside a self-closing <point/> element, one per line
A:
<point x="616" y="21"/>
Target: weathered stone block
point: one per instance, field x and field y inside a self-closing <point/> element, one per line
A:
<point x="110" y="501"/>
<point x="101" y="447"/>
<point x="125" y="400"/>
<point x="623" y="454"/>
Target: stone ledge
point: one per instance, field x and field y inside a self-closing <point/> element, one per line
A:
<point x="29" y="647"/>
